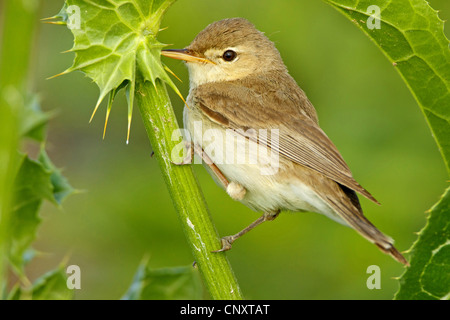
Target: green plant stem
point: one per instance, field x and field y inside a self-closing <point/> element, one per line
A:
<point x="18" y="19"/>
<point x="160" y="122"/>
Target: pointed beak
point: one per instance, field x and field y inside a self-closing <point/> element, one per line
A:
<point x="185" y="55"/>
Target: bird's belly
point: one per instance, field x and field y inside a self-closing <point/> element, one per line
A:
<point x="280" y="191"/>
<point x="269" y="193"/>
<point x="265" y="175"/>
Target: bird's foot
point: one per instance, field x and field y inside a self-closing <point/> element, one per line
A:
<point x="226" y="243"/>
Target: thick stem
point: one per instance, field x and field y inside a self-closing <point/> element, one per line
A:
<point x="160" y="122"/>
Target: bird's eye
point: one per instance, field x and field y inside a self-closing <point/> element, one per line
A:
<point x="229" y="55"/>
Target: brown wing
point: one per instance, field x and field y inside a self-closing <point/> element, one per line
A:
<point x="269" y="102"/>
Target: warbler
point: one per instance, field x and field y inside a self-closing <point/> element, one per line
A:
<point x="240" y="88"/>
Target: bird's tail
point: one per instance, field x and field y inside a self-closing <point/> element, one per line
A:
<point x="394" y="253"/>
<point x="350" y="211"/>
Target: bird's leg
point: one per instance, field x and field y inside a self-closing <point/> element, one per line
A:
<point x="190" y="154"/>
<point x="220" y="176"/>
<point x="228" y="240"/>
<point x="235" y="190"/>
<point x="195" y="148"/>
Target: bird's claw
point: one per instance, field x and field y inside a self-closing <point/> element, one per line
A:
<point x="226" y="244"/>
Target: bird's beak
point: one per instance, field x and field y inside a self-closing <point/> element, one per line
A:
<point x="185" y="55"/>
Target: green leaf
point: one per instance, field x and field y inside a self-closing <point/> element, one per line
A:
<point x="32" y="185"/>
<point x="35" y="181"/>
<point x="52" y="286"/>
<point x="178" y="283"/>
<point x="60" y="186"/>
<point x="429" y="274"/>
<point x="15" y="293"/>
<point x="411" y="35"/>
<point x="33" y="121"/>
<point x="115" y="40"/>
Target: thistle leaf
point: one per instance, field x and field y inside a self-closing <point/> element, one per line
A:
<point x="176" y="283"/>
<point x="114" y="42"/>
<point x="36" y="180"/>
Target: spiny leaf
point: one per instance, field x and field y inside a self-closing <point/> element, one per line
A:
<point x="429" y="274"/>
<point x="112" y="95"/>
<point x="61" y="187"/>
<point x="62" y="17"/>
<point x="33" y="121"/>
<point x="114" y="42"/>
<point x="52" y="286"/>
<point x="35" y="181"/>
<point x="178" y="283"/>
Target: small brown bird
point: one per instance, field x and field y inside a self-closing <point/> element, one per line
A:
<point x="240" y="90"/>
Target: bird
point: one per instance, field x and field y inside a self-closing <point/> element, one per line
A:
<point x="240" y="90"/>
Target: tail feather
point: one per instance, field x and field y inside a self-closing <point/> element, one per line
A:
<point x="395" y="254"/>
<point x="348" y="208"/>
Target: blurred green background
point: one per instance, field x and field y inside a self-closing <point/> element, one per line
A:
<point x="125" y="213"/>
